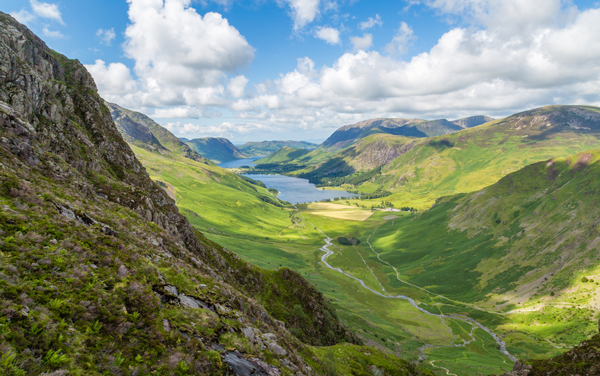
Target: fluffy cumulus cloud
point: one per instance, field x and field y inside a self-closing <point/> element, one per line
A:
<point x="486" y="67"/>
<point x="328" y="34"/>
<point x="503" y="56"/>
<point x="106" y="36"/>
<point x="362" y="43"/>
<point x="181" y="57"/>
<point x="113" y="80"/>
<point x="303" y="11"/>
<point x="47" y="10"/>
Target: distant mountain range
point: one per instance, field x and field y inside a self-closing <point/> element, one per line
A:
<point x="349" y="134"/>
<point x="217" y="149"/>
<point x="253" y="149"/>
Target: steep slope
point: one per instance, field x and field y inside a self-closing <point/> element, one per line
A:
<point x="99" y="272"/>
<point x="216" y="149"/>
<point x="526" y="246"/>
<point x="581" y="360"/>
<point x="473" y="121"/>
<point x="254" y="149"/>
<point x="211" y="197"/>
<point x="138" y="129"/>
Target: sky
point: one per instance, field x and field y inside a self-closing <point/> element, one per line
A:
<point x="254" y="70"/>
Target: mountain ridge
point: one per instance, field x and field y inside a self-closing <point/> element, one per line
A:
<point x="217" y="149"/>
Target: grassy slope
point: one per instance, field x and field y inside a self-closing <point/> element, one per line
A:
<point x="521" y="246"/>
<point x="253" y="149"/>
<point x="285" y="154"/>
<point x="474" y="158"/>
<point x="214" y="199"/>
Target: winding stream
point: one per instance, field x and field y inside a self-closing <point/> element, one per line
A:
<point x="468" y="320"/>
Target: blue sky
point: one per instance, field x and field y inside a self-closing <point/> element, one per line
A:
<point x="299" y="69"/>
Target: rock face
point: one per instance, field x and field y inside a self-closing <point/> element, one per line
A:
<point x="51" y="105"/>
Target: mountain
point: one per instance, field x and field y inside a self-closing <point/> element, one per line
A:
<point x="138" y="129"/>
<point x="526" y="247"/>
<point x="184" y="140"/>
<point x="476" y="157"/>
<point x="283" y="155"/>
<point x="101" y="274"/>
<point x="216" y="149"/>
<point x="253" y="149"/>
<point x="472" y="121"/>
<point x="349" y="134"/>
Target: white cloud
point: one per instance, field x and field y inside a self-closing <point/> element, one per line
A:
<point x="328" y="34"/>
<point x="52" y="34"/>
<point x="47" y="10"/>
<point x="178" y="47"/>
<point x="112" y="80"/>
<point x="362" y="43"/>
<point x="303" y="11"/>
<point x="370" y="22"/>
<point x="23" y="16"/>
<point x="181" y="57"/>
<point x="237" y="86"/>
<point x="106" y="36"/>
<point x="225" y="129"/>
<point x="401" y="40"/>
<point x="484" y="66"/>
<point x="183" y="112"/>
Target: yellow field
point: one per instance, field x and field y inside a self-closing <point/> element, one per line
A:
<point x="328" y="206"/>
<point x="351" y="215"/>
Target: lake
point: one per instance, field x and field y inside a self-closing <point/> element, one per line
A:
<point x="296" y="190"/>
<point x="239" y="162"/>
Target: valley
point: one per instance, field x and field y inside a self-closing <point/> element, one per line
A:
<point x="419" y="284"/>
<point x="434" y="244"/>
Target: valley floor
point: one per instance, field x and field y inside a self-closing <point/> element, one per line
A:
<point x="440" y="332"/>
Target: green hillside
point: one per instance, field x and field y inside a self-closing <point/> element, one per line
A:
<point x="525" y="246"/>
<point x="138" y="129"/>
<point x="427" y="168"/>
<point x="254" y="149"/>
<point x="283" y="155"/>
<point x="101" y="274"/>
<point x="216" y="149"/>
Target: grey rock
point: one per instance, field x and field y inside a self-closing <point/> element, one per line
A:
<point x="239" y="365"/>
<point x="270" y="337"/>
<point x="122" y="272"/>
<point x="171" y="290"/>
<point x="166" y="325"/>
<point x="187" y="301"/>
<point x="276" y="349"/>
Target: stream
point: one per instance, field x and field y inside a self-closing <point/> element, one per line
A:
<point x="385" y="294"/>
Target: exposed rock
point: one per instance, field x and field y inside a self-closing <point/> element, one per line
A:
<point x="239" y="365"/>
<point x="122" y="272"/>
<point x="171" y="290"/>
<point x="276" y="349"/>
